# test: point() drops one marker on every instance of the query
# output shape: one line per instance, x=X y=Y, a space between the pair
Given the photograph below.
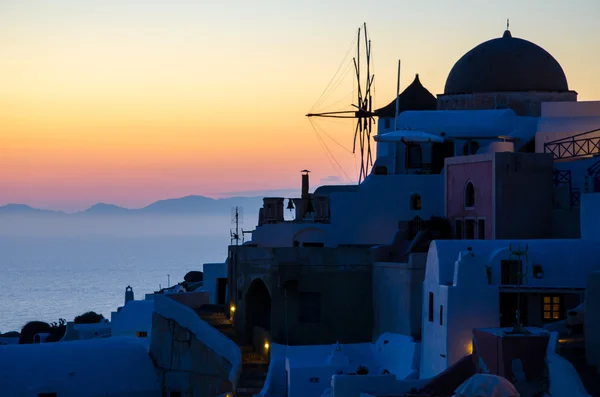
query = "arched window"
x=415 y=201
x=470 y=147
x=469 y=195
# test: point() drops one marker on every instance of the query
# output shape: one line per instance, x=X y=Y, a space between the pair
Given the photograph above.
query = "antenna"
x=397 y=99
x=364 y=105
x=237 y=219
x=519 y=254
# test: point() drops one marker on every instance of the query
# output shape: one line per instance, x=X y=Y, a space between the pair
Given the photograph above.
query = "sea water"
x=60 y=268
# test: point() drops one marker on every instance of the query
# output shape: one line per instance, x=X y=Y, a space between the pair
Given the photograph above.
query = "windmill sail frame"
x=364 y=105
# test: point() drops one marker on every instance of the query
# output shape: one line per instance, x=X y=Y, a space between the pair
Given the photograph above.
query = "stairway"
x=575 y=353
x=254 y=366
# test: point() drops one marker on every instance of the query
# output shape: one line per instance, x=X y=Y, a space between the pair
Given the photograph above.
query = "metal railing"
x=578 y=145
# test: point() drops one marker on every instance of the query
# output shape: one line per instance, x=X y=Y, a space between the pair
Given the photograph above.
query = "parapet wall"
x=190 y=356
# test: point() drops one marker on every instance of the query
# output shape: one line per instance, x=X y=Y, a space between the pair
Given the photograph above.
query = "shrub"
x=89 y=318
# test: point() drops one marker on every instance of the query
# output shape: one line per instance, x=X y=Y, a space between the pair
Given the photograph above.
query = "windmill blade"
x=363 y=105
x=356 y=131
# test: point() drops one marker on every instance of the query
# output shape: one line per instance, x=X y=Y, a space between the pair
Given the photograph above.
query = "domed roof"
x=414 y=97
x=506 y=64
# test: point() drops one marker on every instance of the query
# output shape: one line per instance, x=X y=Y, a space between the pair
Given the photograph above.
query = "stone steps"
x=254 y=367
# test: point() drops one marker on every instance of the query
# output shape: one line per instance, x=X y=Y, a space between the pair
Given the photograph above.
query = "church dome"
x=506 y=64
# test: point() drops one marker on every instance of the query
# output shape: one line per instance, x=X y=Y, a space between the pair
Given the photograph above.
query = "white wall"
x=281 y=234
x=564 y=379
x=116 y=367
x=210 y=336
x=468 y=302
x=590 y=216
x=135 y=316
x=397 y=291
x=564 y=119
x=292 y=367
x=369 y=215
x=212 y=271
x=592 y=319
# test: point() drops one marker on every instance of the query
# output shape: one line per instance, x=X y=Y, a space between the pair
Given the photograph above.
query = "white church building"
x=505 y=95
x=478 y=283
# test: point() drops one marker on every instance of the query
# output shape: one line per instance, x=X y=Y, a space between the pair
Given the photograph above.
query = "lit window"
x=551 y=308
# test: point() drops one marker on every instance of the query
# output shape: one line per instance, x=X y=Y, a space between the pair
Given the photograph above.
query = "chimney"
x=305 y=184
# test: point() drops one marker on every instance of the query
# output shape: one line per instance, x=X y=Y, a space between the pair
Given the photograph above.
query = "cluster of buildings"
x=471 y=248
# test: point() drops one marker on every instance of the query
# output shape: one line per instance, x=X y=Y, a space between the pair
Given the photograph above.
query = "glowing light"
x=232 y=309
x=470 y=348
x=266 y=345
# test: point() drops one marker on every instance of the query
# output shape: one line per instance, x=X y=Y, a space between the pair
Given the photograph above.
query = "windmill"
x=364 y=105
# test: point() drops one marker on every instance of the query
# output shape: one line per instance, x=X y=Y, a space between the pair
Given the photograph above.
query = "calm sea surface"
x=59 y=269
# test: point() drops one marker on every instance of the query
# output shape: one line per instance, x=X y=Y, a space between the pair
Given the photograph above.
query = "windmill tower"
x=364 y=104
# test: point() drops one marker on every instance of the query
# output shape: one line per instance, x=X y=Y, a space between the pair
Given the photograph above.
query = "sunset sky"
x=129 y=101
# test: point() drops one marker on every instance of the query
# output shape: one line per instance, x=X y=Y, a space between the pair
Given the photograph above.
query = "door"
x=221 y=291
x=439 y=151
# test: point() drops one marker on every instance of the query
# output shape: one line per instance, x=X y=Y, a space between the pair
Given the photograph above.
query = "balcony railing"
x=580 y=145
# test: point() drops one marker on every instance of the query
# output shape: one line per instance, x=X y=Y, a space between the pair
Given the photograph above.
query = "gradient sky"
x=132 y=101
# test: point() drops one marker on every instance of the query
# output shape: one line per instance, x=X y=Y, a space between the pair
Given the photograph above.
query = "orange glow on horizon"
x=139 y=101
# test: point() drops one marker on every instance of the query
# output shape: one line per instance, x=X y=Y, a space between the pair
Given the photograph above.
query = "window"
x=510 y=272
x=415 y=202
x=431 y=307
x=309 y=307
x=552 y=308
x=459 y=229
x=481 y=229
x=141 y=334
x=470 y=229
x=441 y=314
x=469 y=195
x=470 y=147
x=413 y=156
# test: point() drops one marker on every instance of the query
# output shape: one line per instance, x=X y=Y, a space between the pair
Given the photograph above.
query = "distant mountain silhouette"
x=105 y=209
x=22 y=209
x=199 y=205
x=192 y=205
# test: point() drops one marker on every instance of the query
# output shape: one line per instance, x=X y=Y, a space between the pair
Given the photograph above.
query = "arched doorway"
x=258 y=308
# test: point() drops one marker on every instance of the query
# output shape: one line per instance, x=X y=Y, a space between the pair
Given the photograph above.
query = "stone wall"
x=398 y=296
x=523 y=103
x=184 y=363
x=332 y=286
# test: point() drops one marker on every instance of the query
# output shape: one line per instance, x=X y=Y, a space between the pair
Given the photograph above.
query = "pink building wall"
x=480 y=173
